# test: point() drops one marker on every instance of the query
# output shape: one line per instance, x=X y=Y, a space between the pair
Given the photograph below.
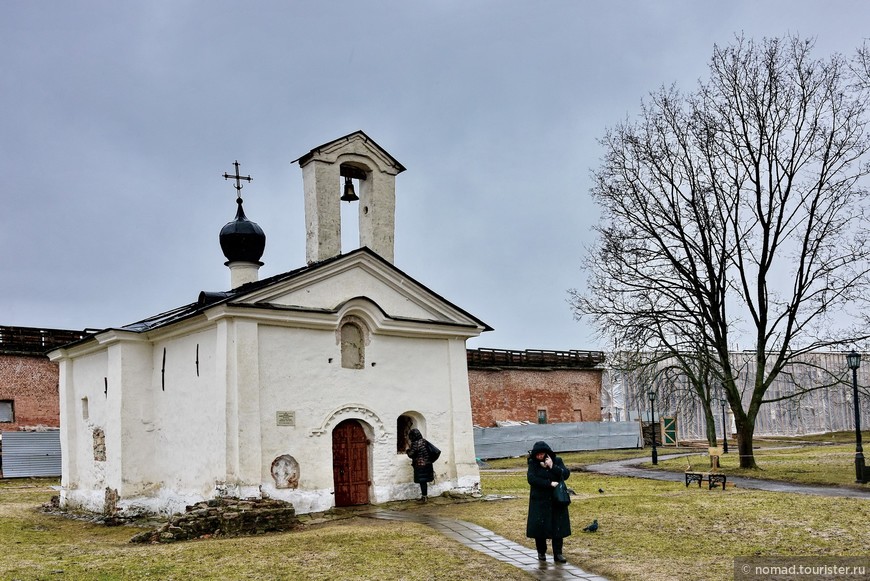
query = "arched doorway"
x=350 y=464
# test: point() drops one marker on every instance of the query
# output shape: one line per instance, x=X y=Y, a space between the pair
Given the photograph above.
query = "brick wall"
x=31 y=383
x=567 y=395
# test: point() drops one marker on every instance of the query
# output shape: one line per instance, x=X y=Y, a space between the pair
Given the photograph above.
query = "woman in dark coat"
x=547 y=520
x=419 y=453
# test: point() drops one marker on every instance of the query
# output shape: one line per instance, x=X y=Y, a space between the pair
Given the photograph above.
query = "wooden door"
x=669 y=431
x=350 y=464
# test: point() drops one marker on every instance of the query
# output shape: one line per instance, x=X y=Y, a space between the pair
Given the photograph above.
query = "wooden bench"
x=713 y=478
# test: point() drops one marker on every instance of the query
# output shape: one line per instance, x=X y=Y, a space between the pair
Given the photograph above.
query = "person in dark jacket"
x=419 y=454
x=547 y=520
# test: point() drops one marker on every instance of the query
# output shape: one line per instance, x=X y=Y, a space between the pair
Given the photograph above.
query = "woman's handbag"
x=434 y=452
x=560 y=494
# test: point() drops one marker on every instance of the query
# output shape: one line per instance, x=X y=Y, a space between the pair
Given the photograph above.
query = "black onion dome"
x=241 y=239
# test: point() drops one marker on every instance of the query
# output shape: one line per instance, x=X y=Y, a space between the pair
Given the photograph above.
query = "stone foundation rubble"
x=230 y=517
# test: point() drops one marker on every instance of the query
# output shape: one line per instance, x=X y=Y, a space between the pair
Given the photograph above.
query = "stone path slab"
x=489 y=543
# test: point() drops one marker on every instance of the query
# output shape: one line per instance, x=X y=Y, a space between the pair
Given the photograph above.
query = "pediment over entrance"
x=360 y=281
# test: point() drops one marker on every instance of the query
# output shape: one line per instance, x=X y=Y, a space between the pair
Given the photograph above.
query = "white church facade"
x=300 y=387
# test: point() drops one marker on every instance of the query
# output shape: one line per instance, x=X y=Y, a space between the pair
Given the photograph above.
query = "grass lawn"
x=38 y=546
x=648 y=530
x=827 y=459
x=833 y=465
x=663 y=530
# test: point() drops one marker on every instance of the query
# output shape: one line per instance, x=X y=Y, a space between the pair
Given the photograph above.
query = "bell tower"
x=328 y=174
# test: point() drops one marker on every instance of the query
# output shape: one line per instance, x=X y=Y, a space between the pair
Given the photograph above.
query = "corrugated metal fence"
x=28 y=454
x=509 y=441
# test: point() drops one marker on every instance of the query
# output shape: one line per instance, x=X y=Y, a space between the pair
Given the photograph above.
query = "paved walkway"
x=629 y=468
x=489 y=543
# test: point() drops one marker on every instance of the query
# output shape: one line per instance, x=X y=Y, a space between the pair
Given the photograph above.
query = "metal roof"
x=208 y=299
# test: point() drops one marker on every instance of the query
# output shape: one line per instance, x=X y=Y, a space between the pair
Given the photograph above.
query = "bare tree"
x=678 y=377
x=735 y=213
x=861 y=66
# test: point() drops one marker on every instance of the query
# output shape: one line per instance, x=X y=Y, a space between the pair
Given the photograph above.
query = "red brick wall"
x=31 y=382
x=568 y=395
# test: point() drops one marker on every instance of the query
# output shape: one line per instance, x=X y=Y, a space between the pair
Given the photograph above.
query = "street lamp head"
x=652 y=395
x=853 y=359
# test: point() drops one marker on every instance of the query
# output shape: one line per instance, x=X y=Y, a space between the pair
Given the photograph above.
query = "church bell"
x=349 y=194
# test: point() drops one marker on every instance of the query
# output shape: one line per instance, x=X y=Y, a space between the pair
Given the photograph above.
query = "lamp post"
x=652 y=404
x=854 y=361
x=724 y=432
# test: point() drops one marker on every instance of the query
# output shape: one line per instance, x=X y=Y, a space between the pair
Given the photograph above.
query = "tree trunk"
x=745 y=433
x=711 y=426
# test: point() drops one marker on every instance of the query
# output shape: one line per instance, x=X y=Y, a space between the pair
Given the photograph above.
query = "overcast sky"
x=117 y=120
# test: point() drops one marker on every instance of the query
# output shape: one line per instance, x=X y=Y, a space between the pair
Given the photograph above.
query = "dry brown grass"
x=663 y=530
x=38 y=546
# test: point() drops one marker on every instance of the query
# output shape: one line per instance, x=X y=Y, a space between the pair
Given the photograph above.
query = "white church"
x=300 y=387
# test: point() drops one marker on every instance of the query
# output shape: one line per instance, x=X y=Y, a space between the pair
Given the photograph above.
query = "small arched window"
x=403 y=426
x=352 y=346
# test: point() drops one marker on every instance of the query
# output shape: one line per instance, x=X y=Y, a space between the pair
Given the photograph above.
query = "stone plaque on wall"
x=285 y=418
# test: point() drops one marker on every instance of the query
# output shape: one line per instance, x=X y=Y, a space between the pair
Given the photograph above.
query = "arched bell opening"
x=353 y=181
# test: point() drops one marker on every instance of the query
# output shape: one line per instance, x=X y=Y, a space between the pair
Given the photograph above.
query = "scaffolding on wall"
x=817 y=407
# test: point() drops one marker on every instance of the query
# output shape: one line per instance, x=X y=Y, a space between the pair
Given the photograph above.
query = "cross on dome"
x=238 y=179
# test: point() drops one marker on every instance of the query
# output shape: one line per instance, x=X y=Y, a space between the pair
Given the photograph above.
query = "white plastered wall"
x=83 y=479
x=182 y=441
x=301 y=372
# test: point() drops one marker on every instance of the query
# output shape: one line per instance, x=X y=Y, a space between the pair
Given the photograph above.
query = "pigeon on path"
x=591 y=528
x=600 y=491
